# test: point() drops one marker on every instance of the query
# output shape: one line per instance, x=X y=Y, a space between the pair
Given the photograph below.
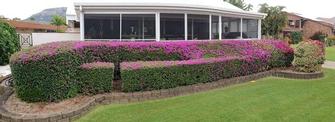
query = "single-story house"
x=155 y=20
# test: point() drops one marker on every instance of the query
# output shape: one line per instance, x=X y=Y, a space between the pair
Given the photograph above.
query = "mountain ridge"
x=45 y=16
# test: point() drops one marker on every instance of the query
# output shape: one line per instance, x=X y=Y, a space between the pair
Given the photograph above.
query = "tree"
x=9 y=42
x=275 y=20
x=58 y=21
x=32 y=19
x=16 y=19
x=240 y=4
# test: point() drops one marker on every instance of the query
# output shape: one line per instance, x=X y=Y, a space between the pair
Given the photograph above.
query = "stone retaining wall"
x=109 y=98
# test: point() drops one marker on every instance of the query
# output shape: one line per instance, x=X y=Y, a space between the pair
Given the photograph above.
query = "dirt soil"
x=15 y=105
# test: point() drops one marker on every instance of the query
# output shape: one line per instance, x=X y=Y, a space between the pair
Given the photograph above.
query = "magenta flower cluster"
x=184 y=49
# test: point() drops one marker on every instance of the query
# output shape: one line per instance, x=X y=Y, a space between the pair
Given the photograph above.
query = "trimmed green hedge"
x=48 y=80
x=163 y=75
x=95 y=81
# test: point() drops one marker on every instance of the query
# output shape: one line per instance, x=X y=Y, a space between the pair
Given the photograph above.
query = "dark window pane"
x=250 y=28
x=172 y=26
x=102 y=26
x=138 y=26
x=231 y=28
x=215 y=27
x=198 y=26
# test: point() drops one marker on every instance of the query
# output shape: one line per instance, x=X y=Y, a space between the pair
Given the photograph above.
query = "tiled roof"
x=32 y=25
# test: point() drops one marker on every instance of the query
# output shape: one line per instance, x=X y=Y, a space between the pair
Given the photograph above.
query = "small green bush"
x=309 y=56
x=9 y=42
x=330 y=41
x=320 y=36
x=296 y=37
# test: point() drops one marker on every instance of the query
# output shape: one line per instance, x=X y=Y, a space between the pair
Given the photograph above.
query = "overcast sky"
x=308 y=8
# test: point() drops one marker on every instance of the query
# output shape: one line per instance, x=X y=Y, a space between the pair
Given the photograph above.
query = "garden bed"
x=15 y=105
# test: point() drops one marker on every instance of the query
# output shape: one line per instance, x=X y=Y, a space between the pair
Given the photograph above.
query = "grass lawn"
x=268 y=99
x=330 y=53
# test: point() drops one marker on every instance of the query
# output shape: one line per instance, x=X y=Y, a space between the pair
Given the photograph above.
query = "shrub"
x=319 y=36
x=60 y=70
x=281 y=54
x=309 y=56
x=95 y=78
x=143 y=76
x=9 y=42
x=330 y=41
x=296 y=37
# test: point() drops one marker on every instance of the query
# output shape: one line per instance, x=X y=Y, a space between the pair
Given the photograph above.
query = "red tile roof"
x=32 y=25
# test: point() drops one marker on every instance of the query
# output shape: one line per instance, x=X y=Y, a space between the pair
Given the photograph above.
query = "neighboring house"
x=155 y=20
x=72 y=22
x=30 y=27
x=307 y=26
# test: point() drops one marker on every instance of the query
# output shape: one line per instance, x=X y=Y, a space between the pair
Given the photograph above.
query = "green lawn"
x=269 y=99
x=330 y=53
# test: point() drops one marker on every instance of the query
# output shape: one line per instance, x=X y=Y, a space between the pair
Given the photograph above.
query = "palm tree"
x=275 y=20
x=58 y=21
x=240 y=4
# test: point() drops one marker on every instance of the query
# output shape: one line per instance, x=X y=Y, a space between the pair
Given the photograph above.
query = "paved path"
x=4 y=70
x=329 y=64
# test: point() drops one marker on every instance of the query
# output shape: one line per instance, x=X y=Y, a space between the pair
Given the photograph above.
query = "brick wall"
x=311 y=27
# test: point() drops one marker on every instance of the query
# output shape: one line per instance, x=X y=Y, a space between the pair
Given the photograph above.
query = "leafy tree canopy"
x=58 y=21
x=275 y=20
x=240 y=4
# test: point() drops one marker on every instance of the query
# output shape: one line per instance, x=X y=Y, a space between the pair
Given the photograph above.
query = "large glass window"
x=231 y=28
x=215 y=27
x=198 y=27
x=102 y=26
x=250 y=28
x=138 y=27
x=172 y=26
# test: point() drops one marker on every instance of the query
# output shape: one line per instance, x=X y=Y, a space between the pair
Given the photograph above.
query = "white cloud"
x=309 y=8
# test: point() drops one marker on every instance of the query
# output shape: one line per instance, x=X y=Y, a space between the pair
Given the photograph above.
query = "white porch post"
x=241 y=28
x=220 y=27
x=210 y=27
x=260 y=29
x=185 y=25
x=82 y=28
x=120 y=27
x=158 y=29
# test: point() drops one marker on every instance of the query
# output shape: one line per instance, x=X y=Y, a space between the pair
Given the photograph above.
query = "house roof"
x=314 y=20
x=219 y=5
x=32 y=25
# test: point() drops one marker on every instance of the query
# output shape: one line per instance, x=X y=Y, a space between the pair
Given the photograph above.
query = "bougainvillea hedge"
x=95 y=78
x=56 y=71
x=143 y=76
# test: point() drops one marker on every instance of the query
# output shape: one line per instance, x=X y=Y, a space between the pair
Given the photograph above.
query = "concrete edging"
x=6 y=116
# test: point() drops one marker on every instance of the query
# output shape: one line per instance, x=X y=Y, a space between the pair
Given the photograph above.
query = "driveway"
x=4 y=70
x=329 y=64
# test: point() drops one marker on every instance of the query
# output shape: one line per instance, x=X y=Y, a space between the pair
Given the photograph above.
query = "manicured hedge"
x=56 y=71
x=94 y=78
x=144 y=76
